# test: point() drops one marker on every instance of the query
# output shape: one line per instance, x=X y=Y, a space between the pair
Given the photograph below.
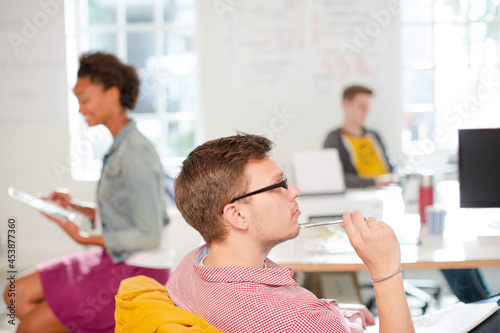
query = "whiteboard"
x=278 y=67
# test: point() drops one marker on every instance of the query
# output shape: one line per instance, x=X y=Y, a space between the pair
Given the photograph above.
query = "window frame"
x=84 y=162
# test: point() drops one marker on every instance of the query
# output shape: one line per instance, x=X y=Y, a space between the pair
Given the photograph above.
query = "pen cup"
x=435 y=217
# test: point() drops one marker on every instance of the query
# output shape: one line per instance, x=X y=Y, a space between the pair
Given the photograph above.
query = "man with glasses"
x=241 y=203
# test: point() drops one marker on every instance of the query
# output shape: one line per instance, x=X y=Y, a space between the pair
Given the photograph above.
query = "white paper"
x=458 y=318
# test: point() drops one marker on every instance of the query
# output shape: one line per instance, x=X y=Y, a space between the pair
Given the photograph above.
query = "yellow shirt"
x=366 y=155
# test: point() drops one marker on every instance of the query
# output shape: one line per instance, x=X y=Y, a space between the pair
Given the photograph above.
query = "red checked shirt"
x=246 y=299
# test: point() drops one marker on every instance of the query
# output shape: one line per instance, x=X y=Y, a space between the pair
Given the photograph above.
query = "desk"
x=458 y=247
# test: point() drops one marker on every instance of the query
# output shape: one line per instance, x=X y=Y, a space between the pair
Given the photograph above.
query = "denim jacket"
x=130 y=195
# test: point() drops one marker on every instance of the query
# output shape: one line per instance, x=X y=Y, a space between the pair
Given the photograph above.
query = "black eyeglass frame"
x=283 y=183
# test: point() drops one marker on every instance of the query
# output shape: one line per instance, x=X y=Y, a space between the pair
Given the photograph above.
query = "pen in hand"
x=319 y=223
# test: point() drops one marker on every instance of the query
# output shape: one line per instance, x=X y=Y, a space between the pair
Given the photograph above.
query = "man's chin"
x=294 y=233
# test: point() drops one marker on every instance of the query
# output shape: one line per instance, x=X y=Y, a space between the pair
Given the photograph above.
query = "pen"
x=318 y=223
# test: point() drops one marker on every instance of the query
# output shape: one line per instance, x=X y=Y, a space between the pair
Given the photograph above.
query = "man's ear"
x=346 y=103
x=235 y=217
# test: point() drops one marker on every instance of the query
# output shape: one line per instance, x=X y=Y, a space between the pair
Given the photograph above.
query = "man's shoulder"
x=226 y=297
x=335 y=132
x=182 y=276
x=188 y=261
x=333 y=138
x=371 y=131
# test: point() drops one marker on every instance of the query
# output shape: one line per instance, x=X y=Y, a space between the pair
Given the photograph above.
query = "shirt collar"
x=121 y=136
x=365 y=131
x=274 y=274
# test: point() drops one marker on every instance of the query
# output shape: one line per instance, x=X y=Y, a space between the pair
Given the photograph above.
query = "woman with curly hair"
x=76 y=292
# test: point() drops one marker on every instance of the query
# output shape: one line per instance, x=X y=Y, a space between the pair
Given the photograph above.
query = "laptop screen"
x=318 y=171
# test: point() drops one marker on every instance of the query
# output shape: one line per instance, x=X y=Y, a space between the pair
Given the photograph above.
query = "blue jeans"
x=466 y=284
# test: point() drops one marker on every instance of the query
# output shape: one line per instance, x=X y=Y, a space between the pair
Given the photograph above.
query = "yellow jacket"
x=143 y=305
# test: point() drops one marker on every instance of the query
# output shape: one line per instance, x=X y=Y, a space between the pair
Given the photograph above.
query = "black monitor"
x=479 y=167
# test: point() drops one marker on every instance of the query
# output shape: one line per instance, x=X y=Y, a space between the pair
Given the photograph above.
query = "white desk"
x=458 y=247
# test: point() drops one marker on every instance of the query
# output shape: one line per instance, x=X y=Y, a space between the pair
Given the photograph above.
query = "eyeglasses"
x=283 y=183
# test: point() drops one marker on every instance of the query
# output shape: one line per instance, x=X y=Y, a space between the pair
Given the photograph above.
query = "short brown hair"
x=211 y=176
x=351 y=91
x=109 y=71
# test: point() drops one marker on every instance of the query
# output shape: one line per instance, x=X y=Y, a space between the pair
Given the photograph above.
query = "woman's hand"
x=61 y=197
x=74 y=232
x=64 y=199
x=71 y=229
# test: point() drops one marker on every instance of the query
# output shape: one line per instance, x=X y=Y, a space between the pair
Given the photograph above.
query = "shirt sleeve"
x=143 y=193
x=318 y=322
x=329 y=319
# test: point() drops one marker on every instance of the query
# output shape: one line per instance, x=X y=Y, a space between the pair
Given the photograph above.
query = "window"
x=158 y=38
x=450 y=52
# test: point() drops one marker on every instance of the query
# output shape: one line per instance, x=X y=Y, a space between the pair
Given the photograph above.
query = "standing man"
x=361 y=150
x=241 y=203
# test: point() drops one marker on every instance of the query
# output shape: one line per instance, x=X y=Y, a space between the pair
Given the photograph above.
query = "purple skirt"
x=80 y=288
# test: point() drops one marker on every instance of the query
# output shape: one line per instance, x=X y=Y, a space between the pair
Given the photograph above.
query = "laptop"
x=318 y=171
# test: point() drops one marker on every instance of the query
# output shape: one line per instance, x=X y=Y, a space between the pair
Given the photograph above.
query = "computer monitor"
x=479 y=167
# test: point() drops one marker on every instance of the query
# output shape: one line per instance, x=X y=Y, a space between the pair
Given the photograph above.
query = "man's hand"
x=374 y=242
x=386 y=179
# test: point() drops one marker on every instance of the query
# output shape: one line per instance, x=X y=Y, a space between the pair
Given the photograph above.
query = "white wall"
x=27 y=153
x=33 y=123
x=34 y=134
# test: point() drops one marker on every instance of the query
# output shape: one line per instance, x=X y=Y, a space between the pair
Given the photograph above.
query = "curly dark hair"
x=109 y=71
